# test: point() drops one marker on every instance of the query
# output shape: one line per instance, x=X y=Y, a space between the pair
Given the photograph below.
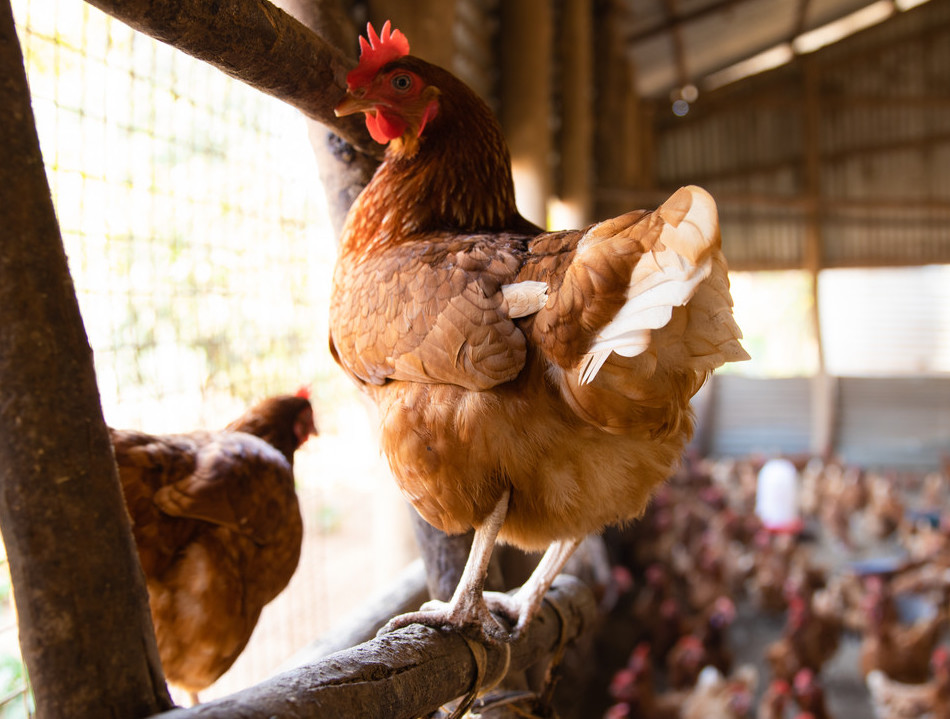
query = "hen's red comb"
x=303 y=392
x=376 y=52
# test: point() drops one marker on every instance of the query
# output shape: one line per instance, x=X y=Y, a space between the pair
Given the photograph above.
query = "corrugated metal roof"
x=674 y=43
x=852 y=145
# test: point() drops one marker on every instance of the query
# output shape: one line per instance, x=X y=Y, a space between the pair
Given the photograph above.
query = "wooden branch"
x=344 y=171
x=84 y=623
x=259 y=44
x=403 y=675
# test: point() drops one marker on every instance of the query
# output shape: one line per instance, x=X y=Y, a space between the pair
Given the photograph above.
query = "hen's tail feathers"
x=681 y=250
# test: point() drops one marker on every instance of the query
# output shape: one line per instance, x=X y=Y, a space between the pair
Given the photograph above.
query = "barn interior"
x=199 y=192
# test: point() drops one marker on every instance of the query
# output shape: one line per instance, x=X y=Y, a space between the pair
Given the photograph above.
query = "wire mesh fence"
x=187 y=209
x=198 y=242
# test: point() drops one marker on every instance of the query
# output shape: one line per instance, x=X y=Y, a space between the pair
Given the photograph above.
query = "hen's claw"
x=474 y=620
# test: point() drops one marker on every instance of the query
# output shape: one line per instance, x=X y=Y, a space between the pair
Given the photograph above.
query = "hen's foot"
x=473 y=619
x=512 y=609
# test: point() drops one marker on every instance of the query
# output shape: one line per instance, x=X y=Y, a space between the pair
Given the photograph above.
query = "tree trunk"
x=85 y=628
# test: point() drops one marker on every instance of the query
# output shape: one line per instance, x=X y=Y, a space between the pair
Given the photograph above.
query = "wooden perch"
x=406 y=674
x=258 y=44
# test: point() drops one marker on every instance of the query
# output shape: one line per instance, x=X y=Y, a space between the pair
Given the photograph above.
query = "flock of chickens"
x=700 y=550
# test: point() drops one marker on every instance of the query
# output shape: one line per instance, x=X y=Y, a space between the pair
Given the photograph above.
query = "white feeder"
x=776 y=497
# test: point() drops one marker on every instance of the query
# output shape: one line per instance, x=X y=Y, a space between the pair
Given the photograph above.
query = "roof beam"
x=675 y=21
x=676 y=38
x=801 y=15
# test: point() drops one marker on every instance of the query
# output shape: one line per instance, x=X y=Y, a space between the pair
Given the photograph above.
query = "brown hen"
x=531 y=385
x=218 y=529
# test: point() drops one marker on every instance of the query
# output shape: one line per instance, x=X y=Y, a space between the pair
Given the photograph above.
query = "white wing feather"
x=663 y=279
x=525 y=298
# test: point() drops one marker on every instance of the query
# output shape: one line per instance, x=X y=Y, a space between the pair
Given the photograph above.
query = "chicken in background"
x=708 y=696
x=809 y=693
x=884 y=512
x=218 y=529
x=810 y=639
x=774 y=700
x=532 y=385
x=718 y=697
x=901 y=651
x=898 y=700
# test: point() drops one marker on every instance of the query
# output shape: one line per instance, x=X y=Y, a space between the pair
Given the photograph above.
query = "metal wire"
x=201 y=254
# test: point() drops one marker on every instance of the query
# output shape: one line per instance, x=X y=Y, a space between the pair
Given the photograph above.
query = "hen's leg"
x=466 y=609
x=522 y=606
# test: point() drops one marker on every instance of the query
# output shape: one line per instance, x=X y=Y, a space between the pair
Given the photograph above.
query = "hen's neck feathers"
x=458 y=178
x=273 y=420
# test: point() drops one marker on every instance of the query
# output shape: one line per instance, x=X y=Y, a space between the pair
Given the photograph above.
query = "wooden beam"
x=258 y=44
x=575 y=47
x=405 y=674
x=674 y=22
x=823 y=394
x=801 y=17
x=760 y=200
x=843 y=155
x=676 y=40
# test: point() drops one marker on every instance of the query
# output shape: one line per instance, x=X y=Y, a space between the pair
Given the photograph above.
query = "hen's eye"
x=402 y=82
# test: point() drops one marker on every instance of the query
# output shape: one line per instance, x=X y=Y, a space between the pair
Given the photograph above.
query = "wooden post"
x=526 y=41
x=572 y=208
x=622 y=125
x=823 y=386
x=85 y=629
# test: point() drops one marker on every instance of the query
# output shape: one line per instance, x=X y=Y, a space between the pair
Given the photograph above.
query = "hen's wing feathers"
x=234 y=474
x=212 y=477
x=437 y=312
x=635 y=292
x=639 y=311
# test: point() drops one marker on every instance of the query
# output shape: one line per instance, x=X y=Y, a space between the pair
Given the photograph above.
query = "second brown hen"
x=218 y=530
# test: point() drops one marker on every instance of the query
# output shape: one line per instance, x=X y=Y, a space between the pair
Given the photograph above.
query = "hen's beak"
x=352 y=103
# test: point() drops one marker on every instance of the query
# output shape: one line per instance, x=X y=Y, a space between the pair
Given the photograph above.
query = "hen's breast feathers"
x=605 y=308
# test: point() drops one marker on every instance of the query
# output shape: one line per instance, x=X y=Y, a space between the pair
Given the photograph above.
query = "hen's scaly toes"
x=507 y=607
x=479 y=625
x=425 y=618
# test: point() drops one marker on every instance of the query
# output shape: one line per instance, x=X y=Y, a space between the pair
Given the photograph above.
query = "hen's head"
x=285 y=422
x=391 y=87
